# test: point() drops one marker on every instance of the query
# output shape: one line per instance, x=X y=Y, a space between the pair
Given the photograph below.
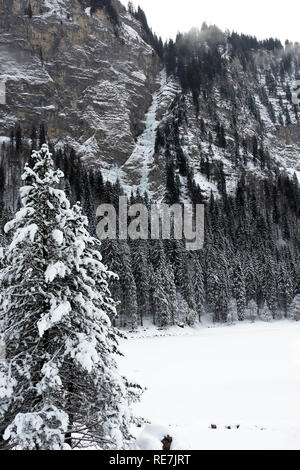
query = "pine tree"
x=265 y=313
x=187 y=287
x=239 y=289
x=162 y=314
x=42 y=135
x=294 y=310
x=285 y=287
x=116 y=254
x=29 y=10
x=186 y=315
x=142 y=277
x=172 y=185
x=251 y=311
x=54 y=314
x=170 y=289
x=217 y=287
x=232 y=311
x=199 y=292
x=269 y=283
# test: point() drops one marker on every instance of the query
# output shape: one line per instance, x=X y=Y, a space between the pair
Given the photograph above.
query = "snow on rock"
x=152 y=435
x=55 y=7
x=133 y=36
x=140 y=76
x=110 y=78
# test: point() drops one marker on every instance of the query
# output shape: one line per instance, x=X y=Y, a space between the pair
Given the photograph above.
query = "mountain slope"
x=88 y=79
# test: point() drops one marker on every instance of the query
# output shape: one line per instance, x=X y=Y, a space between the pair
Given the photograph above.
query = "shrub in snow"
x=251 y=311
x=187 y=315
x=232 y=314
x=265 y=313
x=294 y=310
x=154 y=437
x=60 y=386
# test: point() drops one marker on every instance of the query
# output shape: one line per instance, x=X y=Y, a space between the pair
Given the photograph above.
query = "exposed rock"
x=90 y=81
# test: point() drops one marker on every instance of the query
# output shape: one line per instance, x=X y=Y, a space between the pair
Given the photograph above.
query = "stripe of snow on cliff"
x=140 y=76
x=141 y=159
x=133 y=36
x=55 y=8
x=87 y=150
x=11 y=70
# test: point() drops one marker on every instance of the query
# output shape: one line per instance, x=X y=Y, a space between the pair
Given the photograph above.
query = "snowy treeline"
x=249 y=267
x=59 y=386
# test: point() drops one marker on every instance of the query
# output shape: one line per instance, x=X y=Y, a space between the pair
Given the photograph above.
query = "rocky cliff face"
x=102 y=90
x=89 y=81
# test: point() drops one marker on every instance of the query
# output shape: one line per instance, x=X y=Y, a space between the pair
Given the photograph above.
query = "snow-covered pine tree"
x=199 y=289
x=265 y=313
x=170 y=289
x=284 y=286
x=60 y=386
x=129 y=288
x=294 y=310
x=162 y=314
x=269 y=283
x=187 y=287
x=116 y=254
x=142 y=277
x=251 y=311
x=239 y=288
x=186 y=315
x=232 y=311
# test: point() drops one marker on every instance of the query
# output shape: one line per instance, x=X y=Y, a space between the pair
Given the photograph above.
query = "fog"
x=264 y=19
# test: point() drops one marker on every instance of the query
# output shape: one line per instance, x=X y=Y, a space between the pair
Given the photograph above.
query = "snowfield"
x=246 y=377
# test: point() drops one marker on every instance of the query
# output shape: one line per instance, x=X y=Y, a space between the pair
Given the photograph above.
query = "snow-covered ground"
x=245 y=376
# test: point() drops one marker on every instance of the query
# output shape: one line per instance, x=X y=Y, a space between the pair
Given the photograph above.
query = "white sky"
x=262 y=18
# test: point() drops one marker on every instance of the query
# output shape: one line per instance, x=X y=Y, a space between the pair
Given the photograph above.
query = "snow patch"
x=55 y=315
x=216 y=376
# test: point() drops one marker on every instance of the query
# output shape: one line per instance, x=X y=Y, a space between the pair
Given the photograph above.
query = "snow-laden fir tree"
x=142 y=277
x=170 y=289
x=239 y=289
x=217 y=283
x=269 y=283
x=251 y=311
x=162 y=312
x=199 y=294
x=186 y=316
x=232 y=315
x=187 y=287
x=60 y=386
x=294 y=310
x=164 y=299
x=285 y=287
x=116 y=254
x=265 y=313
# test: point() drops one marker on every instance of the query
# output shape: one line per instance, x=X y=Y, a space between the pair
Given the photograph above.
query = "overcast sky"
x=262 y=18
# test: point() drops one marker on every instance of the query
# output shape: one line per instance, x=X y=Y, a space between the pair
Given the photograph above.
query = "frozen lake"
x=247 y=375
